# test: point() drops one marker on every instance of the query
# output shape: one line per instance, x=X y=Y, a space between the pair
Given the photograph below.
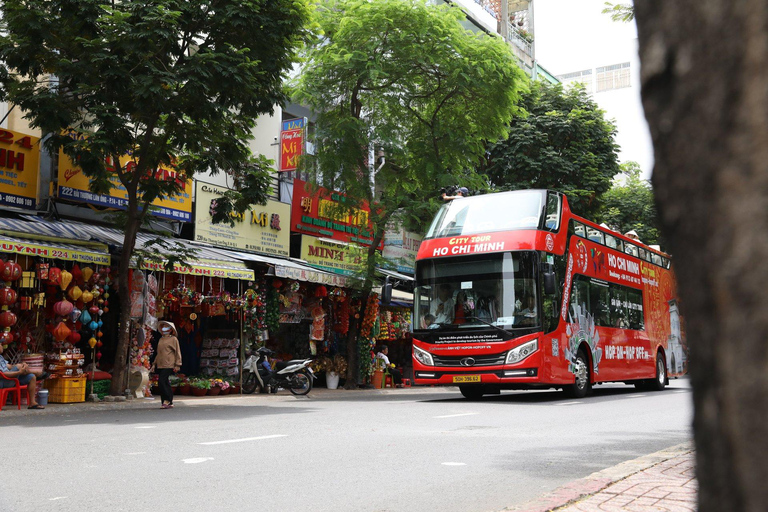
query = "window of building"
x=613 y=77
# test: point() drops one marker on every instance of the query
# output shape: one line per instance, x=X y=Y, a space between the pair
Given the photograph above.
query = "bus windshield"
x=496 y=289
x=519 y=209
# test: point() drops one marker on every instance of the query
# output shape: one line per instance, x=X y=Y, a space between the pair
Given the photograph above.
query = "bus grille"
x=480 y=360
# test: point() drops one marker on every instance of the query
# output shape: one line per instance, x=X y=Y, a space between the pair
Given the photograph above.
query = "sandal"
x=36 y=406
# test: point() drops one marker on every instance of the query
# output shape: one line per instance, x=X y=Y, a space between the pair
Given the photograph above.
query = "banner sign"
x=263 y=229
x=19 y=169
x=56 y=251
x=242 y=274
x=73 y=185
x=322 y=213
x=291 y=143
x=311 y=276
x=339 y=258
x=400 y=248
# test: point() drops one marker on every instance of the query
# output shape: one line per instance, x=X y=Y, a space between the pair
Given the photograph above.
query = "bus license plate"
x=466 y=378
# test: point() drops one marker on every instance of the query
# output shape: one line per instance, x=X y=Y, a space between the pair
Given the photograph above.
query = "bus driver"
x=443 y=306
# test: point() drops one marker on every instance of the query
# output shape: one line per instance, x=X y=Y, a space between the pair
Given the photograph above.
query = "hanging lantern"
x=99 y=344
x=75 y=293
x=61 y=331
x=66 y=278
x=93 y=310
x=87 y=273
x=74 y=337
x=95 y=292
x=11 y=271
x=86 y=296
x=63 y=307
x=42 y=271
x=98 y=355
x=54 y=276
x=93 y=326
x=77 y=274
x=75 y=315
x=321 y=291
x=7 y=319
x=85 y=318
x=6 y=337
x=92 y=342
x=7 y=296
x=105 y=310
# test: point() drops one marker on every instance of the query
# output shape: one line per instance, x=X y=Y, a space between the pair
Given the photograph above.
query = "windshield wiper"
x=488 y=324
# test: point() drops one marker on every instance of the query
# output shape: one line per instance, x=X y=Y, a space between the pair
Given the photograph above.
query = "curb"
x=596 y=482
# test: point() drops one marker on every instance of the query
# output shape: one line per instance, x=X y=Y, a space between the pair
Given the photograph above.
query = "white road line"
x=568 y=403
x=457 y=415
x=58 y=498
x=453 y=464
x=196 y=460
x=244 y=439
x=135 y=453
x=147 y=426
x=636 y=396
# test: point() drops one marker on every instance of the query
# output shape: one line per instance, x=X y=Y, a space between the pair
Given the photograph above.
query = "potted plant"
x=216 y=385
x=225 y=387
x=336 y=367
x=235 y=388
x=199 y=387
x=175 y=382
x=184 y=387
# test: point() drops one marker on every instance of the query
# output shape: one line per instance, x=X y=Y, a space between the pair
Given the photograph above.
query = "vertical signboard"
x=291 y=144
x=400 y=248
x=264 y=229
x=74 y=185
x=19 y=169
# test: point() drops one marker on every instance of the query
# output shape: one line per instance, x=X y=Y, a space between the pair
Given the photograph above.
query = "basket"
x=66 y=391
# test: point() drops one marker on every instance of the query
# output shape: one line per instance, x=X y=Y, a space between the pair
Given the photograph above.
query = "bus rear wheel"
x=580 y=386
x=472 y=392
x=660 y=382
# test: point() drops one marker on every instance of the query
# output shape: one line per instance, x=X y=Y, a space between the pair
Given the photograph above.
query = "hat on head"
x=464 y=190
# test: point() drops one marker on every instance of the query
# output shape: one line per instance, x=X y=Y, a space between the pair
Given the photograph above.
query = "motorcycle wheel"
x=250 y=384
x=301 y=384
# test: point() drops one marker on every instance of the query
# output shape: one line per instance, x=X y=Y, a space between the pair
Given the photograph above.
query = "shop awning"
x=393 y=274
x=95 y=254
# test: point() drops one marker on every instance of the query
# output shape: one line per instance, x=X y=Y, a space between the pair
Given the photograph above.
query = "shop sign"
x=400 y=248
x=47 y=251
x=262 y=229
x=19 y=169
x=291 y=143
x=322 y=212
x=242 y=274
x=339 y=258
x=73 y=185
x=300 y=274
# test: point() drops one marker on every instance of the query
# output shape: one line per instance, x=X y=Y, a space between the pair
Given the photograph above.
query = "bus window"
x=599 y=302
x=630 y=249
x=614 y=243
x=595 y=235
x=635 y=309
x=665 y=262
x=552 y=214
x=619 y=313
x=643 y=254
x=579 y=230
x=656 y=259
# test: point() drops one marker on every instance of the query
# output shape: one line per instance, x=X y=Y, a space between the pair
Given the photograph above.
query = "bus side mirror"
x=550 y=287
x=386 y=292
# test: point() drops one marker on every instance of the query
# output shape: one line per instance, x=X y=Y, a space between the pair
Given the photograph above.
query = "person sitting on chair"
x=382 y=359
x=27 y=377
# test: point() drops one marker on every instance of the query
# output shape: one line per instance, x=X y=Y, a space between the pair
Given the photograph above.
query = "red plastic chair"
x=17 y=389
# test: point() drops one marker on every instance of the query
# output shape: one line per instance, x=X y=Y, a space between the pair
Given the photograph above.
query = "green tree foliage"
x=620 y=12
x=629 y=205
x=561 y=141
x=402 y=79
x=171 y=82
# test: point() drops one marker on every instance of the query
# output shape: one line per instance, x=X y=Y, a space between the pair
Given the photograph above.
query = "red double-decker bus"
x=513 y=291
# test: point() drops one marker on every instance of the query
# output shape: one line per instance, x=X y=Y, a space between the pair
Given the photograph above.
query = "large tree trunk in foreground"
x=704 y=76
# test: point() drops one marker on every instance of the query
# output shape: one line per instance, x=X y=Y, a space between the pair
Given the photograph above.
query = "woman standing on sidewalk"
x=167 y=361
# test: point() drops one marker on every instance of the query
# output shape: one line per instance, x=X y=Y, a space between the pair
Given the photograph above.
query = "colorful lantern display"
x=7 y=319
x=86 y=296
x=75 y=292
x=85 y=317
x=66 y=278
x=8 y=296
x=61 y=331
x=11 y=271
x=87 y=273
x=75 y=315
x=93 y=310
x=74 y=337
x=92 y=342
x=63 y=307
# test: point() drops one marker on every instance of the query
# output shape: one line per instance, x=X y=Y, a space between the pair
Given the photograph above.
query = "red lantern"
x=63 y=308
x=6 y=337
x=98 y=355
x=73 y=337
x=61 y=331
x=77 y=274
x=321 y=291
x=99 y=344
x=11 y=271
x=94 y=310
x=54 y=276
x=7 y=296
x=7 y=319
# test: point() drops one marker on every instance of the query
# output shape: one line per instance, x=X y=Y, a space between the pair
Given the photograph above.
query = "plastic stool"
x=406 y=383
x=388 y=381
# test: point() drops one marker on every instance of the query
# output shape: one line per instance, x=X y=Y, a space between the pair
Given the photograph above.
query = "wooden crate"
x=66 y=391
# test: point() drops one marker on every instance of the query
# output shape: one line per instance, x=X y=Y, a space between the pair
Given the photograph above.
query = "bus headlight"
x=517 y=354
x=423 y=356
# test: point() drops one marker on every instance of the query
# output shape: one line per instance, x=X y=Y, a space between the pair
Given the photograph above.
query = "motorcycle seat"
x=283 y=364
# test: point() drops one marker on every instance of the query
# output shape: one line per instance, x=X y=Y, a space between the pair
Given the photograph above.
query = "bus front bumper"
x=452 y=377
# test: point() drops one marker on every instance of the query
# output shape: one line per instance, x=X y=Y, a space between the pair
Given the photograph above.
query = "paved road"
x=399 y=450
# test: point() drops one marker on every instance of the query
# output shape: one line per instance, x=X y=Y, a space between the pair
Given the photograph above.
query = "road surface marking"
x=196 y=460
x=568 y=403
x=147 y=426
x=135 y=453
x=58 y=498
x=453 y=464
x=636 y=396
x=244 y=439
x=457 y=415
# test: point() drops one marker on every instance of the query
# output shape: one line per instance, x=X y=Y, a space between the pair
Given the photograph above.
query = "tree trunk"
x=704 y=75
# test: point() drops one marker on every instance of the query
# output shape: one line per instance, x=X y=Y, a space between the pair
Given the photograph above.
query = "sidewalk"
x=661 y=482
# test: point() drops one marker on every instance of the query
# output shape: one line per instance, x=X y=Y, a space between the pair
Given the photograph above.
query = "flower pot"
x=215 y=390
x=174 y=389
x=234 y=390
x=184 y=389
x=199 y=391
x=225 y=391
x=332 y=380
x=377 y=379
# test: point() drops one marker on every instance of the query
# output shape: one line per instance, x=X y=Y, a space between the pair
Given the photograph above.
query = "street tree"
x=405 y=99
x=620 y=12
x=704 y=69
x=630 y=205
x=561 y=141
x=170 y=83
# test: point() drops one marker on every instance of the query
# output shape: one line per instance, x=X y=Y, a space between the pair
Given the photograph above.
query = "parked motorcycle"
x=294 y=375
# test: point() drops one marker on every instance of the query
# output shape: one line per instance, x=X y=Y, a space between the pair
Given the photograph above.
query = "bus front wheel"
x=472 y=392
